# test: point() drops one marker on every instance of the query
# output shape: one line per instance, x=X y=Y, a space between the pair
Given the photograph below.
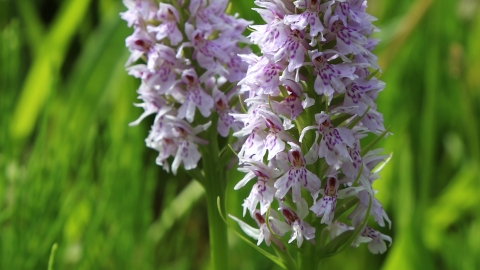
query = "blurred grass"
x=73 y=173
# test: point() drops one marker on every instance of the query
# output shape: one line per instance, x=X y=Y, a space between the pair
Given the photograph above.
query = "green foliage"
x=73 y=173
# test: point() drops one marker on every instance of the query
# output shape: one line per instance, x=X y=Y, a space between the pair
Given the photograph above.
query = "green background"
x=73 y=173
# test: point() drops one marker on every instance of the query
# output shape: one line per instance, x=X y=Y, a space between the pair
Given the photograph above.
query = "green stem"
x=215 y=184
x=217 y=231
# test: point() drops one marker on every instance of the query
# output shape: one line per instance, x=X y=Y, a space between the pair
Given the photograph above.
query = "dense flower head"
x=312 y=100
x=187 y=58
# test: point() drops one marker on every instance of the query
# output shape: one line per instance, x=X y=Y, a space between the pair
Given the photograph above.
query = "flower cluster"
x=311 y=100
x=189 y=62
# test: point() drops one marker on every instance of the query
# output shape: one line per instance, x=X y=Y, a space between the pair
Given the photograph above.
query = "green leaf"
x=337 y=99
x=339 y=243
x=357 y=119
x=373 y=143
x=52 y=256
x=267 y=254
x=363 y=224
x=347 y=204
x=372 y=74
x=358 y=176
x=283 y=254
x=45 y=68
x=335 y=246
x=340 y=119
